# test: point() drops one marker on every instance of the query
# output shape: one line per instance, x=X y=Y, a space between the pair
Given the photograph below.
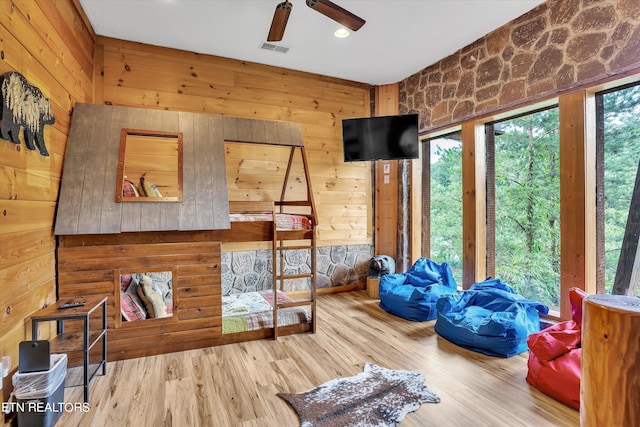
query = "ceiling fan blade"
x=279 y=22
x=338 y=14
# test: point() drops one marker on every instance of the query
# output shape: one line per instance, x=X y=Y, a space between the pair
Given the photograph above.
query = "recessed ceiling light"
x=341 y=33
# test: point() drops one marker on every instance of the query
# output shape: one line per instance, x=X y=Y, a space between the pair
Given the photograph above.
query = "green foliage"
x=621 y=157
x=528 y=196
x=528 y=206
x=446 y=204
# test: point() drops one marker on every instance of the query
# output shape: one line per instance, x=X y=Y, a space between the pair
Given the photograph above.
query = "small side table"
x=74 y=341
x=373 y=284
x=610 y=378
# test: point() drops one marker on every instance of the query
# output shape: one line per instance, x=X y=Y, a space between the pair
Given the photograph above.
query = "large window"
x=527 y=206
x=619 y=151
x=445 y=211
x=523 y=233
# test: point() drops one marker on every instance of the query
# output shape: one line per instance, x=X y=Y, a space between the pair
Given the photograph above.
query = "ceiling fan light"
x=341 y=33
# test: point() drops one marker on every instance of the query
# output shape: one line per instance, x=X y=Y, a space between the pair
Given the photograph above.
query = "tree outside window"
x=527 y=206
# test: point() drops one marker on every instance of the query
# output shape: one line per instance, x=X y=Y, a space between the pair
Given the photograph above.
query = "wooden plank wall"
x=87 y=203
x=138 y=75
x=49 y=43
x=197 y=319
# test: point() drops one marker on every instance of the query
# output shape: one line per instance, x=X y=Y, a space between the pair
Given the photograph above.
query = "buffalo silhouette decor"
x=23 y=107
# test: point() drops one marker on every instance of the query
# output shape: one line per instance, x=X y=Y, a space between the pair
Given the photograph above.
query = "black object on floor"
x=33 y=356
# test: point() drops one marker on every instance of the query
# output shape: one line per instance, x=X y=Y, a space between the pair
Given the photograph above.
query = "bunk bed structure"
x=166 y=256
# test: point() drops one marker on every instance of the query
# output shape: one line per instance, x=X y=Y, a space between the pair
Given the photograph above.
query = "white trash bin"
x=40 y=395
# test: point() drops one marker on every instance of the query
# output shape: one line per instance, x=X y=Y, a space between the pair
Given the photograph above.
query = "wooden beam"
x=474 y=211
x=386 y=182
x=490 y=164
x=415 y=204
x=628 y=272
x=390 y=223
x=577 y=197
x=425 y=208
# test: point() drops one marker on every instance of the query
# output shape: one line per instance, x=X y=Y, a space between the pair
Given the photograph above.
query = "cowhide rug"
x=376 y=397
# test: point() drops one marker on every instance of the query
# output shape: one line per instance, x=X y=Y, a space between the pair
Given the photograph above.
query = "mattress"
x=283 y=221
x=251 y=311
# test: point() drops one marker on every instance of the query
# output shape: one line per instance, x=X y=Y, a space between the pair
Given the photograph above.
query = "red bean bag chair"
x=554 y=356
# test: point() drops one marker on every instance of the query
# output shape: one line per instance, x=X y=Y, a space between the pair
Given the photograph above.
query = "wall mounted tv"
x=380 y=138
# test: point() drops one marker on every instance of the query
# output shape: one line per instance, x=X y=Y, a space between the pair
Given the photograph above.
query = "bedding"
x=149 y=189
x=152 y=298
x=146 y=295
x=251 y=311
x=283 y=221
x=130 y=309
x=129 y=189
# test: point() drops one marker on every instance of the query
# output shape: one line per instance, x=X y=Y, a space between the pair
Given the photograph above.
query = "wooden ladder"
x=281 y=277
x=307 y=241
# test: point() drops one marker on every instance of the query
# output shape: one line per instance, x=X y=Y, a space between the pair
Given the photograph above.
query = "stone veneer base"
x=246 y=271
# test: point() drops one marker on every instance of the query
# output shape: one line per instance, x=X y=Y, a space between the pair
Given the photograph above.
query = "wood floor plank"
x=180 y=405
x=237 y=384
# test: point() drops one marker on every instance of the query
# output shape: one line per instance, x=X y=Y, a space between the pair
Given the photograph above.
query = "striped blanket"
x=283 y=221
x=253 y=310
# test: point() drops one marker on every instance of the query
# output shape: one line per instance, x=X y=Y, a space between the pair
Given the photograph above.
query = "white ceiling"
x=400 y=37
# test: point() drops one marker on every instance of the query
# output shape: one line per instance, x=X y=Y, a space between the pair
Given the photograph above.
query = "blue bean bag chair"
x=489 y=318
x=413 y=295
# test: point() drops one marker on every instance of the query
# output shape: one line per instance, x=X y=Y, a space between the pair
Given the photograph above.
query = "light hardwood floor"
x=236 y=384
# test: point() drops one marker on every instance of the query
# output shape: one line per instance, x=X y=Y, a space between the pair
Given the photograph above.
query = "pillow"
x=128 y=308
x=148 y=188
x=132 y=292
x=160 y=275
x=152 y=298
x=125 y=281
x=163 y=283
x=164 y=287
x=129 y=189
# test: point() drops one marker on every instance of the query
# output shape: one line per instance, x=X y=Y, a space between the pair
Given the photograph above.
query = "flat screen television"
x=380 y=138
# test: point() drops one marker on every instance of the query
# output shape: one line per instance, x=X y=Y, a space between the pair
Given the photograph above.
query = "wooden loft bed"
x=288 y=225
x=101 y=241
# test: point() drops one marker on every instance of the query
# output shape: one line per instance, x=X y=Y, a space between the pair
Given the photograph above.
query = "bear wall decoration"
x=23 y=106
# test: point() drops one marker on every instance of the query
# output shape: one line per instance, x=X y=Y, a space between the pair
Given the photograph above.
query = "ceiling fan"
x=326 y=7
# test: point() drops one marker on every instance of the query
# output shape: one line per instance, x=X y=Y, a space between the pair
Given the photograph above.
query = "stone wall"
x=246 y=271
x=558 y=46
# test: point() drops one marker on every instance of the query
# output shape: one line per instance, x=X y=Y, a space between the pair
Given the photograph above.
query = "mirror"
x=149 y=166
x=146 y=295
